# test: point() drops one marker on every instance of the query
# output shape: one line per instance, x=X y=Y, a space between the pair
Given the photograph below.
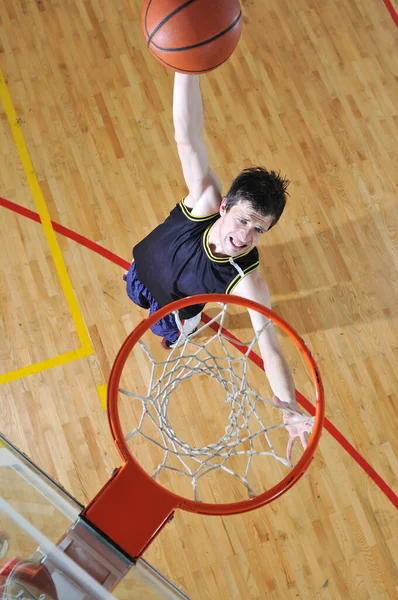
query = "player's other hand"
x=298 y=424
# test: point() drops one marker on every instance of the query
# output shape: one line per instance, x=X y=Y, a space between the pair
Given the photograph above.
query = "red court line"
x=392 y=11
x=76 y=237
x=339 y=437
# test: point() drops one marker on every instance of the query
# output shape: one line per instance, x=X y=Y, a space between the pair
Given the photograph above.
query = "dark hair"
x=264 y=190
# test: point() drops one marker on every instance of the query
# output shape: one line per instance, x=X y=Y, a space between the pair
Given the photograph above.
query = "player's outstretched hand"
x=297 y=423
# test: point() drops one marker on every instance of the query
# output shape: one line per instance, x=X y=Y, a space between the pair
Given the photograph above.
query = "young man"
x=208 y=244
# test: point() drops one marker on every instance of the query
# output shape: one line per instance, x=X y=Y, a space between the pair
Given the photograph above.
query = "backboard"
x=47 y=552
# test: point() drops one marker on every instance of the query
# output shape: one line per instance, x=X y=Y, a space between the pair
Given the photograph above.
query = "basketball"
x=191 y=36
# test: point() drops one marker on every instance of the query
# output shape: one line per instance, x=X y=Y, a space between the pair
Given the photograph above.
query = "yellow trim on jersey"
x=192 y=217
x=210 y=254
x=238 y=278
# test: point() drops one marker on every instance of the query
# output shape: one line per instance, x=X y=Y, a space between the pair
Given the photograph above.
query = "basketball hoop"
x=132 y=507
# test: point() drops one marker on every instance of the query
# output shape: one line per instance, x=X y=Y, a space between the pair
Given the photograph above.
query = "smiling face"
x=239 y=229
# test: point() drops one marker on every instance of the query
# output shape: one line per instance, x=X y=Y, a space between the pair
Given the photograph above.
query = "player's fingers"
x=304 y=439
x=289 y=449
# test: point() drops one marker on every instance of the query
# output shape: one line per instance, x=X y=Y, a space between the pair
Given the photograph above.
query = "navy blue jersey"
x=175 y=260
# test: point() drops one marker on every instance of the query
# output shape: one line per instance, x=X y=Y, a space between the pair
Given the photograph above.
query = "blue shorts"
x=138 y=293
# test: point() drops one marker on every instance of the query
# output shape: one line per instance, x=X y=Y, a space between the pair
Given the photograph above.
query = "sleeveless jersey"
x=175 y=260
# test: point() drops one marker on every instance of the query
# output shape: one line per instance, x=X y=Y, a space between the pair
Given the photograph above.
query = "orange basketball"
x=191 y=36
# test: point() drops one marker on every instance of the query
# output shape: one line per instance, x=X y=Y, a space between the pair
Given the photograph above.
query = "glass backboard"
x=47 y=552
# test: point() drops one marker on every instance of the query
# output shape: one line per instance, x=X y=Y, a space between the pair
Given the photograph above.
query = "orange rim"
x=192 y=505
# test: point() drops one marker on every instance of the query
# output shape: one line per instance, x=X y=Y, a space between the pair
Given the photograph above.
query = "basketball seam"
x=175 y=11
x=233 y=24
x=188 y=70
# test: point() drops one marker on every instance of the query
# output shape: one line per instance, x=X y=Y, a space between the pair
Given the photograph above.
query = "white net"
x=253 y=429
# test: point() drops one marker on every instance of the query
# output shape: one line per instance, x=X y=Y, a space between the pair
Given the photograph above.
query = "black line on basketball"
x=189 y=70
x=215 y=37
x=146 y=14
x=175 y=11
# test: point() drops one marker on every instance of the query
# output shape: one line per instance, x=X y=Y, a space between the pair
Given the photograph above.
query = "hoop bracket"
x=131 y=510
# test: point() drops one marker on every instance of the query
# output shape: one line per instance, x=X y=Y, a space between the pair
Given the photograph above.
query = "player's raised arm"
x=188 y=117
x=276 y=368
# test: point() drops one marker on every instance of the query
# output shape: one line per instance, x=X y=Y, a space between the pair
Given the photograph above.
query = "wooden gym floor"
x=311 y=91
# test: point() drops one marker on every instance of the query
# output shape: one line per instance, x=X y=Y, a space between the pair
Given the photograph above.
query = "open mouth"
x=237 y=245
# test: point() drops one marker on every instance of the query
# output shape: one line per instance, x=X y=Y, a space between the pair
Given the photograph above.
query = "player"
x=208 y=244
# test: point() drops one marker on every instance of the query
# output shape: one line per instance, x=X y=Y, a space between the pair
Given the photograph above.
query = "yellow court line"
x=103 y=395
x=44 y=365
x=82 y=332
